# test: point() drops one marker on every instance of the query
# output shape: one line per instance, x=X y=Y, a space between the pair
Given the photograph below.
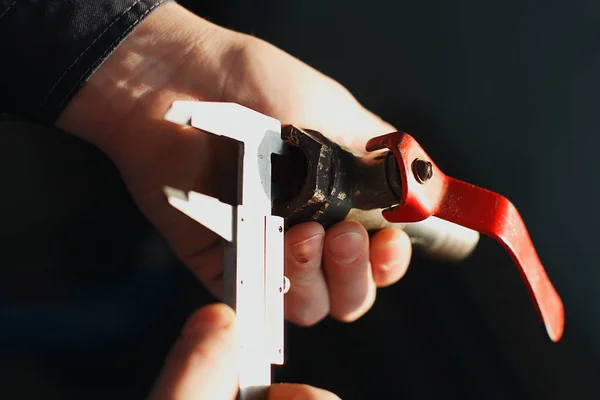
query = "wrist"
x=136 y=85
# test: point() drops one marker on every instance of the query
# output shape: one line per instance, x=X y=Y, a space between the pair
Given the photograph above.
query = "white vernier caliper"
x=253 y=280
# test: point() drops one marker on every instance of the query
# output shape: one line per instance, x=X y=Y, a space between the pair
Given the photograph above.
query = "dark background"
x=503 y=94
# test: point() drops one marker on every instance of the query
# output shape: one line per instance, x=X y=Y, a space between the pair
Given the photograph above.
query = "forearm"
x=50 y=49
x=146 y=73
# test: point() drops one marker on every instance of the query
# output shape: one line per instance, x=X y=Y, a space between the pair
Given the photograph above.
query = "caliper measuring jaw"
x=401 y=185
x=253 y=280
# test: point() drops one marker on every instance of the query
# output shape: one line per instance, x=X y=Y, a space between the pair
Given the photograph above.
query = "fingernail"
x=210 y=318
x=306 y=250
x=347 y=247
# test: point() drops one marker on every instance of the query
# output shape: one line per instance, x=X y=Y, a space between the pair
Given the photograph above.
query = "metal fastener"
x=422 y=169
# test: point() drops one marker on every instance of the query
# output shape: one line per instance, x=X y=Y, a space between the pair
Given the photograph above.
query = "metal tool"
x=289 y=175
x=253 y=280
x=317 y=180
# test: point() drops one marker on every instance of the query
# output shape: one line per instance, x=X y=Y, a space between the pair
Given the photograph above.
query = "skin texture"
x=175 y=55
x=198 y=366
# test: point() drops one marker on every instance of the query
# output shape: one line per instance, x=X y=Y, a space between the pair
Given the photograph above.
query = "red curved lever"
x=429 y=192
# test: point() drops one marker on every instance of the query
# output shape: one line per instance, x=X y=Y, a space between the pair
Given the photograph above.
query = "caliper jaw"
x=254 y=282
x=253 y=276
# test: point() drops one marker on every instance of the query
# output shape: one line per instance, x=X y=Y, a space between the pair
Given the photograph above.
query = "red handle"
x=427 y=191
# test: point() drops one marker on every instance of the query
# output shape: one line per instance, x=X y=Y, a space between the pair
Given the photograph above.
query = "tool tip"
x=171 y=192
x=555 y=323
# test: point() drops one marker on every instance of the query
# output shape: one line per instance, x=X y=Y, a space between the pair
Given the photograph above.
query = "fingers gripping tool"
x=288 y=175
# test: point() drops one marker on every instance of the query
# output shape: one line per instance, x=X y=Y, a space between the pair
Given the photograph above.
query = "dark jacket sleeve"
x=49 y=48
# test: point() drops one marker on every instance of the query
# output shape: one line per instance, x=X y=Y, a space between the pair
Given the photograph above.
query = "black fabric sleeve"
x=50 y=48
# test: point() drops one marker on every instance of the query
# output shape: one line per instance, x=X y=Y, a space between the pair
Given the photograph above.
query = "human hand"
x=175 y=55
x=202 y=363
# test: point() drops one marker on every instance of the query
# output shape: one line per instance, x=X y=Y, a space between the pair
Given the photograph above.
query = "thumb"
x=202 y=365
x=290 y=391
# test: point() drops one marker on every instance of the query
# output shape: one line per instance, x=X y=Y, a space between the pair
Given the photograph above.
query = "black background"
x=503 y=94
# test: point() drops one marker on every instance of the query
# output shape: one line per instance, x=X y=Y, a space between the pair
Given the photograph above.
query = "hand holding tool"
x=317 y=180
x=288 y=175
